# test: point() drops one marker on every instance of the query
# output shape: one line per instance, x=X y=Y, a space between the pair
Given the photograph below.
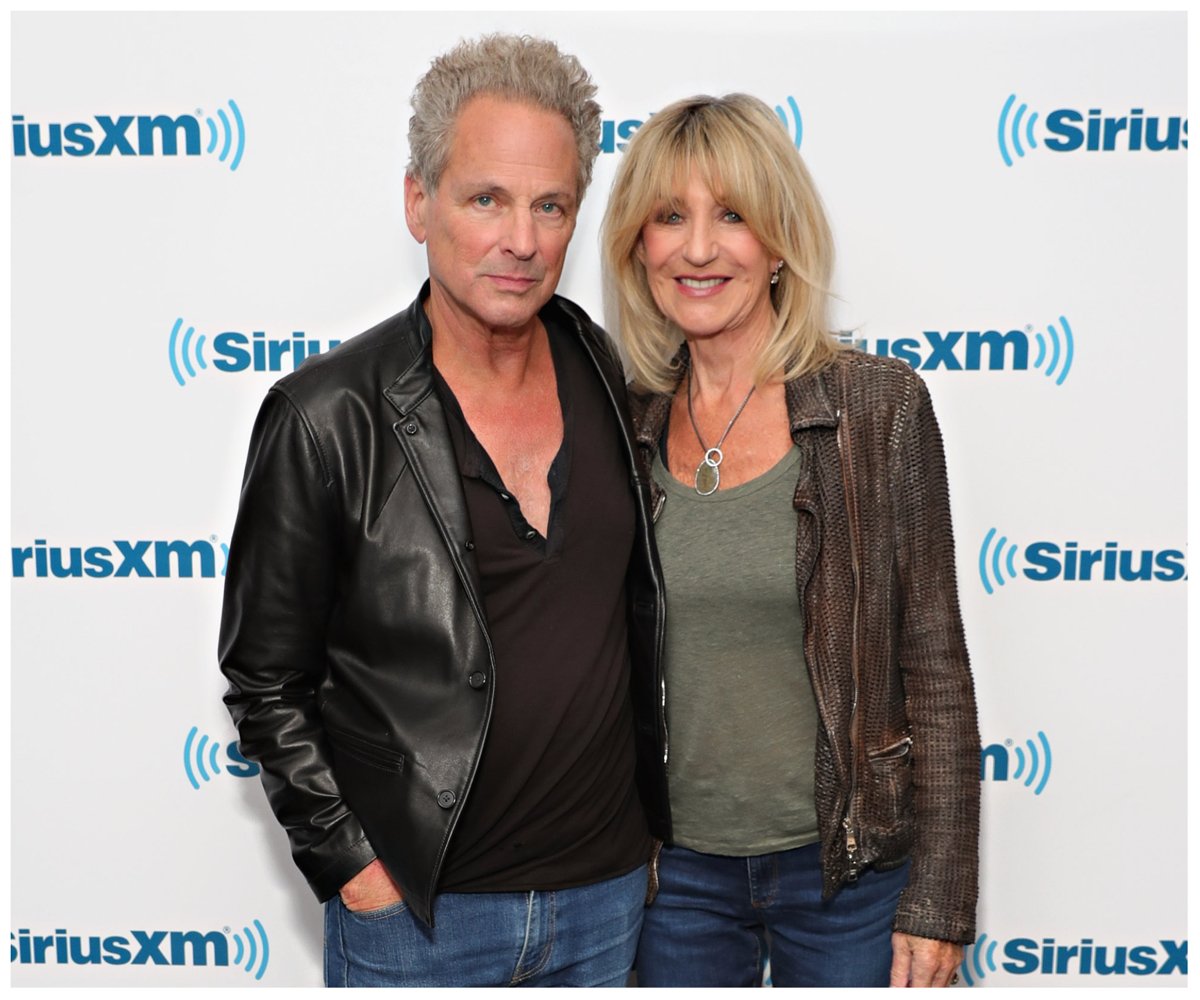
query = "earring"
x=775 y=273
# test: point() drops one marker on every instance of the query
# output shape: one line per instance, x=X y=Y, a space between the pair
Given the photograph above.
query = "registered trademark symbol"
x=212 y=538
x=227 y=930
x=1008 y=743
x=1029 y=327
x=199 y=112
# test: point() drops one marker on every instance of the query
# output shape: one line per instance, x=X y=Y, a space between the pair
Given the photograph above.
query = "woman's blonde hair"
x=743 y=152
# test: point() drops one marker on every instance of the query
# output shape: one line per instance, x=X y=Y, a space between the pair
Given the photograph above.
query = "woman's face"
x=707 y=271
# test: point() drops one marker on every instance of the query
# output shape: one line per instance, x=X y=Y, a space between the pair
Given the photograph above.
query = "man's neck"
x=469 y=353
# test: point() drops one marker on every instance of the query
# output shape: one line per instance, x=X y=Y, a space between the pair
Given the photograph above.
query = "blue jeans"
x=585 y=936
x=710 y=924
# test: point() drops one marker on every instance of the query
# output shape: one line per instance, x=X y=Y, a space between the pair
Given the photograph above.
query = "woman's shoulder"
x=649 y=411
x=874 y=381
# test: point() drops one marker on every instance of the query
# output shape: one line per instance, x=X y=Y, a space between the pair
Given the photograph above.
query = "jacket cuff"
x=950 y=929
x=326 y=877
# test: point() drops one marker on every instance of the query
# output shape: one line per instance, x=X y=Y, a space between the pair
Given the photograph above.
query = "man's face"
x=497 y=227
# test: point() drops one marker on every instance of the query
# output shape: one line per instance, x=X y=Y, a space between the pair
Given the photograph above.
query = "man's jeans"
x=586 y=936
x=709 y=924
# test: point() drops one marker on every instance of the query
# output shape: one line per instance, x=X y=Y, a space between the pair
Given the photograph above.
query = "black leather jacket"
x=353 y=635
x=897 y=755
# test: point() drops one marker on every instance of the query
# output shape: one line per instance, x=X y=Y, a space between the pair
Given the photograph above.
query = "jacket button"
x=469 y=545
x=477 y=680
x=410 y=429
x=446 y=799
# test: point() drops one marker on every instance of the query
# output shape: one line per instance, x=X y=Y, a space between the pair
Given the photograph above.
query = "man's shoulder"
x=365 y=363
x=576 y=318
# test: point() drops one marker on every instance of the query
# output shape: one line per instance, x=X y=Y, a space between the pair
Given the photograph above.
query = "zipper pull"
x=851 y=850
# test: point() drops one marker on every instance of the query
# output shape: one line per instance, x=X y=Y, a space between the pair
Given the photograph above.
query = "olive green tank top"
x=741 y=716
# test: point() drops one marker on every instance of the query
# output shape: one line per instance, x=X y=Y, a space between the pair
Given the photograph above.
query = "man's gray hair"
x=517 y=67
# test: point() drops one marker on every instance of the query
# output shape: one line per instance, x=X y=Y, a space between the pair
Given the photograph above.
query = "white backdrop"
x=136 y=823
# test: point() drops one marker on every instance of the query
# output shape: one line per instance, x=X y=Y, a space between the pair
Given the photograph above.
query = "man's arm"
x=280 y=589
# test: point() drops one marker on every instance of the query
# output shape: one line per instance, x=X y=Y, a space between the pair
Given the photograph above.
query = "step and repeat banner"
x=201 y=201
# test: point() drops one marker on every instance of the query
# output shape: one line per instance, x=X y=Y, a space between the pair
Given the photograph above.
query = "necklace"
x=708 y=472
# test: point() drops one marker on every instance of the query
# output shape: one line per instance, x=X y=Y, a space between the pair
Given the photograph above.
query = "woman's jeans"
x=717 y=918
x=585 y=936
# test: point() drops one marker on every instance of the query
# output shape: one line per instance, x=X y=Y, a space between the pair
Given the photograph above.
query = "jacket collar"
x=415 y=357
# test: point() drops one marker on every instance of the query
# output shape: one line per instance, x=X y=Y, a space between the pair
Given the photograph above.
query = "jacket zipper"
x=847 y=463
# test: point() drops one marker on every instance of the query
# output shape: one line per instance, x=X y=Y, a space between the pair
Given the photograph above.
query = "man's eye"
x=484 y=200
x=549 y=208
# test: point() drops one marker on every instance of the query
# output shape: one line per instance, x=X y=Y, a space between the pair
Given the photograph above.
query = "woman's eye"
x=732 y=216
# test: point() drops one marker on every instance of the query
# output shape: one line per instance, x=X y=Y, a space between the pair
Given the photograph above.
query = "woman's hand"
x=918 y=961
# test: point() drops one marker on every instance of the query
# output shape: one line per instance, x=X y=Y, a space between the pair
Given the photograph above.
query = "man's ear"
x=415 y=203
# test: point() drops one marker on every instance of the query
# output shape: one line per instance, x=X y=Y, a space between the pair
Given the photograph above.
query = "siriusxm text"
x=1070 y=562
x=1095 y=131
x=121 y=558
x=237 y=352
x=952 y=350
x=104 y=135
x=134 y=948
x=1024 y=956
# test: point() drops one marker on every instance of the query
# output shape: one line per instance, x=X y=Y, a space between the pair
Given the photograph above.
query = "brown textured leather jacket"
x=897 y=757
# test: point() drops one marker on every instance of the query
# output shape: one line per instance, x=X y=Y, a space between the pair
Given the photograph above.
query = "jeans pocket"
x=377 y=913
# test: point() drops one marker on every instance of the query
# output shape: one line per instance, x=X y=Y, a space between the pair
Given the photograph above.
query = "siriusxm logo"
x=1068 y=562
x=141 y=558
x=1053 y=352
x=1027 y=956
x=200 y=759
x=1029 y=764
x=1067 y=130
x=233 y=351
x=136 y=135
x=251 y=949
x=615 y=135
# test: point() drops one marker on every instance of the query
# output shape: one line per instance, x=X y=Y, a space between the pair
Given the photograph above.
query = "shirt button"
x=477 y=680
x=531 y=534
x=504 y=496
x=446 y=799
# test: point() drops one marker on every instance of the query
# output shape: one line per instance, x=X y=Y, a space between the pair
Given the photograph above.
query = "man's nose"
x=519 y=237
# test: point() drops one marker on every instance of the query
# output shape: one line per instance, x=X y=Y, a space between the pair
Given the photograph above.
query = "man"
x=442 y=604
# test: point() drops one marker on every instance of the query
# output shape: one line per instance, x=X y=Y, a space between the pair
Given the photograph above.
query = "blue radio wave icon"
x=795 y=127
x=1009 y=131
x=995 y=561
x=1062 y=348
x=252 y=951
x=228 y=134
x=979 y=960
x=1034 y=761
x=200 y=758
x=184 y=351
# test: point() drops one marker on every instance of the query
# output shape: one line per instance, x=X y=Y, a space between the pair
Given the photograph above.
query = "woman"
x=823 y=749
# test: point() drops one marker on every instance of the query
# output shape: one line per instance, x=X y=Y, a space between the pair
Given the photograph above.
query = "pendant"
x=708 y=472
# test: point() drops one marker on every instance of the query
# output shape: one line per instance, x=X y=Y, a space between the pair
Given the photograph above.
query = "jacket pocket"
x=366 y=751
x=891 y=792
